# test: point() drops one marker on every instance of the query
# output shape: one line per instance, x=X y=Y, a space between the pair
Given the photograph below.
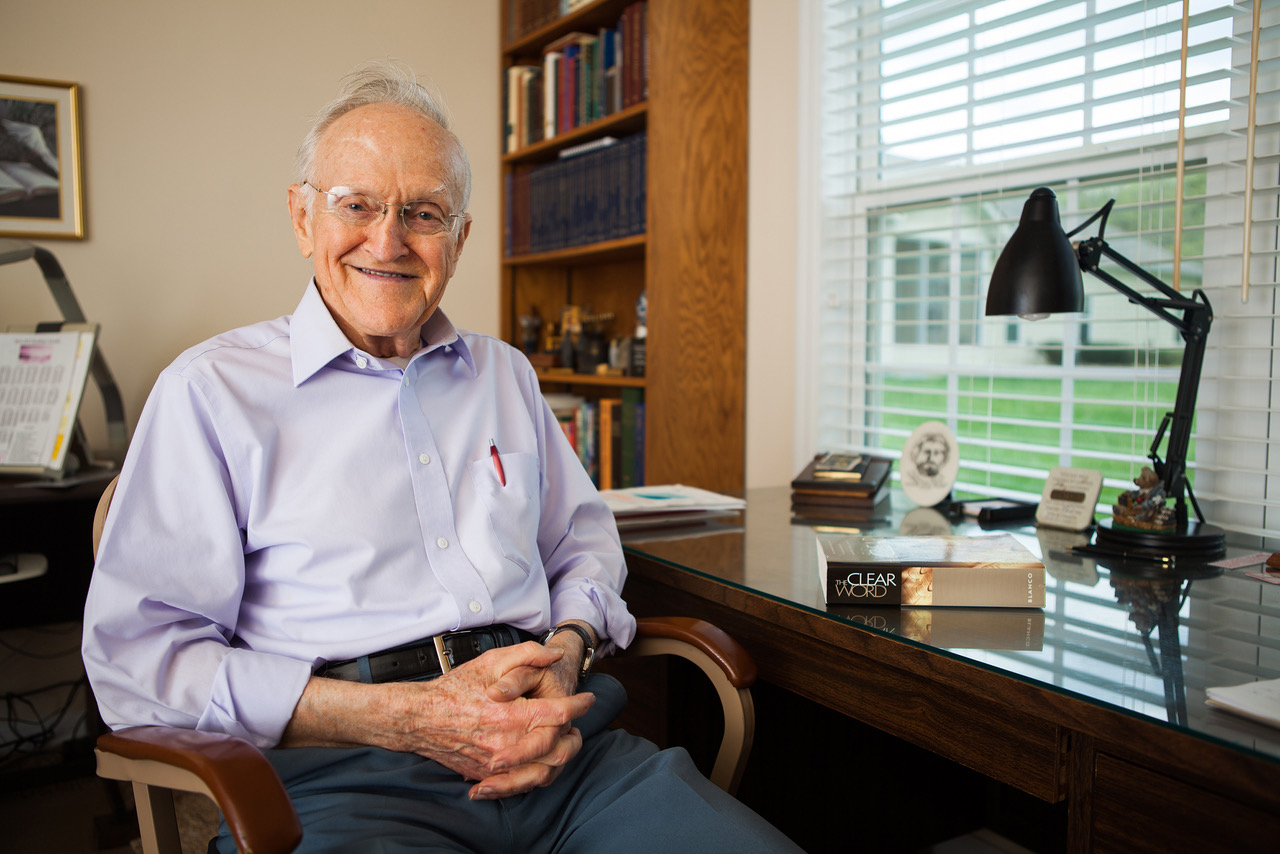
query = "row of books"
x=608 y=435
x=581 y=78
x=595 y=192
x=840 y=488
x=525 y=16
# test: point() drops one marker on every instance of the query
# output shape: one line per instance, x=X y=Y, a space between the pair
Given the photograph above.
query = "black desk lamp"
x=1037 y=274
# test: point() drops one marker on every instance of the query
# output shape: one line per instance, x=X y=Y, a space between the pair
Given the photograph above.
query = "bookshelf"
x=689 y=260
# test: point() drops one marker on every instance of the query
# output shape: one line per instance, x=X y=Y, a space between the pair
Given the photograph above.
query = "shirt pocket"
x=513 y=509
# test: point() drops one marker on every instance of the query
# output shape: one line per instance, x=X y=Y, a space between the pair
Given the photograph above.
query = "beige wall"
x=192 y=113
x=772 y=240
x=191 y=116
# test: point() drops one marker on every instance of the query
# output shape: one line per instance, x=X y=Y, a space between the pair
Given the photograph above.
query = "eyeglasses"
x=426 y=218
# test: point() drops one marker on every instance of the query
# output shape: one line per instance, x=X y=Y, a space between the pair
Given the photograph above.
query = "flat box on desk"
x=989 y=571
x=866 y=478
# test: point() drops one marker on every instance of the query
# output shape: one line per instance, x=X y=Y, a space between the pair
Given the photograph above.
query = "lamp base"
x=1197 y=540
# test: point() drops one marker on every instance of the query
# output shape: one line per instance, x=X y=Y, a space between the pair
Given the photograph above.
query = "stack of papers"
x=1257 y=700
x=42 y=379
x=668 y=505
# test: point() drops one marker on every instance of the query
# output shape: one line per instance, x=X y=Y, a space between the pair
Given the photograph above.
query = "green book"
x=631 y=397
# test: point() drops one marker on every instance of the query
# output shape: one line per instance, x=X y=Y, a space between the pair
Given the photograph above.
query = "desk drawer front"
x=1136 y=809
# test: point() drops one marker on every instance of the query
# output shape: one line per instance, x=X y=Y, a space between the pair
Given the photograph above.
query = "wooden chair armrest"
x=735 y=661
x=731 y=670
x=227 y=769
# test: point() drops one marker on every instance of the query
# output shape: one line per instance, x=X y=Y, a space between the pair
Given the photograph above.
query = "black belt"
x=427 y=658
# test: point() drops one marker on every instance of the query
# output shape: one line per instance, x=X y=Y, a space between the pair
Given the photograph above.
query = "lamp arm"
x=1091 y=251
x=12 y=251
x=112 y=403
x=1197 y=317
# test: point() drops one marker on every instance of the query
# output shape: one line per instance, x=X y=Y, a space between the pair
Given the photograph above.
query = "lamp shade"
x=1038 y=273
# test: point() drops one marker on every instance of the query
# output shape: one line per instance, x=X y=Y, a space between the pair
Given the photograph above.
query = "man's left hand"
x=557 y=680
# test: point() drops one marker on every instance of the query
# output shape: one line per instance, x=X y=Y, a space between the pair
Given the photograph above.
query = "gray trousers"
x=619 y=794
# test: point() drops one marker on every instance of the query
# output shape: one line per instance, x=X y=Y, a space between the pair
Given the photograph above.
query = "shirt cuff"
x=254 y=695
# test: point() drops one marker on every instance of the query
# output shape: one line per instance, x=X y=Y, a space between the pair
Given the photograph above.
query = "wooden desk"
x=1105 y=713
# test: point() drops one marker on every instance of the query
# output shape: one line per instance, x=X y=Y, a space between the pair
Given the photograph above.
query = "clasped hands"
x=504 y=719
x=522 y=734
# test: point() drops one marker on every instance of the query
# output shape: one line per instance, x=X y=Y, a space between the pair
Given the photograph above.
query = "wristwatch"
x=588 y=648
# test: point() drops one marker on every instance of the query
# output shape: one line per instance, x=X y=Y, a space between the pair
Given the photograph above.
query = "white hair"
x=385 y=83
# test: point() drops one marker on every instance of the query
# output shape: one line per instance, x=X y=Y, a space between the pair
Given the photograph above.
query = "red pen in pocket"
x=497 y=463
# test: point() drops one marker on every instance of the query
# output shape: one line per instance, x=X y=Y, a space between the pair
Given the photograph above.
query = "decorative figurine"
x=530 y=327
x=590 y=350
x=1143 y=508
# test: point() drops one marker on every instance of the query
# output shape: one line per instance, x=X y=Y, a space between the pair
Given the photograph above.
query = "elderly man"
x=321 y=513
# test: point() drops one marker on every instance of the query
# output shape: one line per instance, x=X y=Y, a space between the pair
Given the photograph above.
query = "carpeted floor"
x=197 y=823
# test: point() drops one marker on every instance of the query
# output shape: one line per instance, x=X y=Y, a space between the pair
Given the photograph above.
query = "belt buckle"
x=444 y=655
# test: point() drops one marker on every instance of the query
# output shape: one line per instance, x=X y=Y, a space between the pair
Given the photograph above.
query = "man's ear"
x=301 y=219
x=462 y=238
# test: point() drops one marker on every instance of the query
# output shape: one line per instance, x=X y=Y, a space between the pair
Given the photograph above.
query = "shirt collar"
x=316 y=340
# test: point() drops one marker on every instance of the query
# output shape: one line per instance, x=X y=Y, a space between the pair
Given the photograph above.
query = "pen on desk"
x=497 y=463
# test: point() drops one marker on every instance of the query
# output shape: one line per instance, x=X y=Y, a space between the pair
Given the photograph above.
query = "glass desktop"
x=1139 y=636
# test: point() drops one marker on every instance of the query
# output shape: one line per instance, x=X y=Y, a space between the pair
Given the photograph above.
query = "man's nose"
x=386 y=239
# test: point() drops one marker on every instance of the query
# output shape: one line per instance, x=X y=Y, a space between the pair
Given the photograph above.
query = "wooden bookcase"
x=691 y=259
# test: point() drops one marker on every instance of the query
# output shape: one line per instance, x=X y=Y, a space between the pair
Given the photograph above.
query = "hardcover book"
x=835 y=510
x=823 y=498
x=991 y=571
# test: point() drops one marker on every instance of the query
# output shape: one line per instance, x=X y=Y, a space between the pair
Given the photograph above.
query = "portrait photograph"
x=41 y=193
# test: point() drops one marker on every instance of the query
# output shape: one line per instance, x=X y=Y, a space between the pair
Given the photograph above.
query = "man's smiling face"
x=381 y=282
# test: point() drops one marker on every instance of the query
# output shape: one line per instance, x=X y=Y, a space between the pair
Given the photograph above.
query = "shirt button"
x=442 y=543
x=425 y=459
x=475 y=607
x=362 y=362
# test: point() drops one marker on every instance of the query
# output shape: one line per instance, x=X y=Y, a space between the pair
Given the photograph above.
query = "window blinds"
x=937 y=120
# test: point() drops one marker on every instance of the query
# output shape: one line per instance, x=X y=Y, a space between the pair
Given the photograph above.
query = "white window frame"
x=1217 y=406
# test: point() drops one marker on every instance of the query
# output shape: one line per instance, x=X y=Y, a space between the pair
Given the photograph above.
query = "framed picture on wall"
x=41 y=186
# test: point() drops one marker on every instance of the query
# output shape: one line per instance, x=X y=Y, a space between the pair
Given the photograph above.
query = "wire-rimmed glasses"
x=360 y=210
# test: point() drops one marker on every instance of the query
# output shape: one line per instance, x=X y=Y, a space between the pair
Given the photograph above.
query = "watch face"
x=930 y=463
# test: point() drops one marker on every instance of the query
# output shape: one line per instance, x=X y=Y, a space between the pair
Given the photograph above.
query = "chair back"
x=100 y=515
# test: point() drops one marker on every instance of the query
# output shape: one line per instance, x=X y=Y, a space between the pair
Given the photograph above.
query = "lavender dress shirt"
x=288 y=500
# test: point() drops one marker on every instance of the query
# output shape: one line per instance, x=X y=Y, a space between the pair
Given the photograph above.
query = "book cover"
x=990 y=571
x=590 y=452
x=851 y=519
x=836 y=500
x=837 y=511
x=610 y=430
x=631 y=401
x=639 y=444
x=550 y=92
x=531 y=107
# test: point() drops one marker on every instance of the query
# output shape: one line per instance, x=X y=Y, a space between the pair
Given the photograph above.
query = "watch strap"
x=588 y=648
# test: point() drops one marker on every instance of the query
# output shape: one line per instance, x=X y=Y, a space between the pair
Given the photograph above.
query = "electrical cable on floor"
x=45 y=726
